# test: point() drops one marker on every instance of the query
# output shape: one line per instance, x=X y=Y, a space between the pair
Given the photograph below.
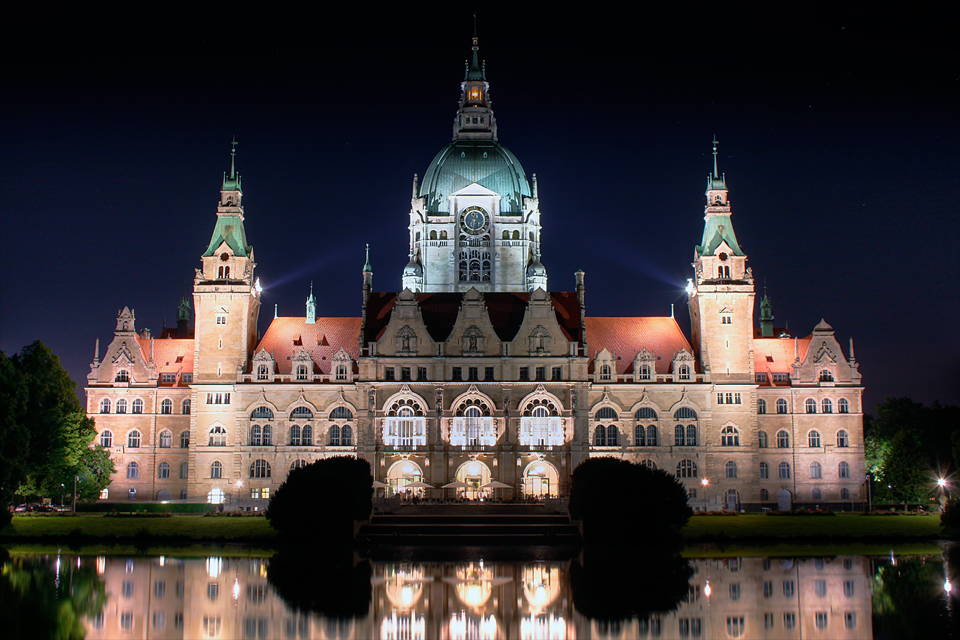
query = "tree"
x=620 y=502
x=906 y=473
x=321 y=501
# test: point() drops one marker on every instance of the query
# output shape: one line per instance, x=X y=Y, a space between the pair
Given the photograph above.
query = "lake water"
x=318 y=595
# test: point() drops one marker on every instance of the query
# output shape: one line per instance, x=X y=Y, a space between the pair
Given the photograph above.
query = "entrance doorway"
x=541 y=480
x=474 y=474
x=784 y=500
x=400 y=475
x=733 y=500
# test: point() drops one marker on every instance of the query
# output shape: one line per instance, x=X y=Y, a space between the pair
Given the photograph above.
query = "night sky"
x=838 y=133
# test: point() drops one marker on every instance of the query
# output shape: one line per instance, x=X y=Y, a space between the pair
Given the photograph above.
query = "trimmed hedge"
x=147 y=507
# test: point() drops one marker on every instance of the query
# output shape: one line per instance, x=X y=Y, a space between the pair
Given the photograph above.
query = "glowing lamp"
x=941 y=482
x=704 y=482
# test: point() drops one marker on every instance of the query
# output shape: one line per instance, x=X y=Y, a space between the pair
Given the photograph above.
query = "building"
x=475 y=372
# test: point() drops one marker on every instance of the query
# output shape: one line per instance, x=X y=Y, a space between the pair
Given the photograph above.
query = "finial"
x=233 y=156
x=276 y=311
x=536 y=190
x=474 y=29
x=671 y=311
x=96 y=351
x=311 y=288
x=416 y=179
x=367 y=268
x=715 y=173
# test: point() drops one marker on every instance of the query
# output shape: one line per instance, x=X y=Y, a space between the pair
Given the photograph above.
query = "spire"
x=718 y=227
x=311 y=307
x=366 y=265
x=475 y=119
x=96 y=352
x=229 y=226
x=276 y=310
x=232 y=183
x=766 y=315
x=853 y=358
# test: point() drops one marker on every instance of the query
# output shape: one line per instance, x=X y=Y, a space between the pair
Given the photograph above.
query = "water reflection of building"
x=166 y=598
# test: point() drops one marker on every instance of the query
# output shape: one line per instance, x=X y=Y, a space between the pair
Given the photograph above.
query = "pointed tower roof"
x=232 y=183
x=367 y=267
x=718 y=227
x=229 y=228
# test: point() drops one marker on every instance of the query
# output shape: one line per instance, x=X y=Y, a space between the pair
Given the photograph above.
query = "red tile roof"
x=624 y=337
x=777 y=355
x=321 y=340
x=169 y=355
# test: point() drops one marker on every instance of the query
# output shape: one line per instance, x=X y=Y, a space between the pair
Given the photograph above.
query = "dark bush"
x=619 y=502
x=322 y=500
x=950 y=518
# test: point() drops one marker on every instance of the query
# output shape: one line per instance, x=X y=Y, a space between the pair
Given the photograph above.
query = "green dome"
x=464 y=162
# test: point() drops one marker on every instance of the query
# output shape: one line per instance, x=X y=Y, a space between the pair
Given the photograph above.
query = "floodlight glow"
x=707 y=589
x=256 y=285
x=704 y=482
x=941 y=482
x=947 y=586
x=690 y=288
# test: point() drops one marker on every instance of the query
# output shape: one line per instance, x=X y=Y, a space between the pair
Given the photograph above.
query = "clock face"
x=474 y=219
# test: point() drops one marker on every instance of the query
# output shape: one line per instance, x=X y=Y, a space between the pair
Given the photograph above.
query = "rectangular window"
x=221 y=319
x=524 y=374
x=768 y=621
x=265 y=493
x=168 y=377
x=692 y=494
x=789 y=620
x=736 y=398
x=405 y=374
x=457 y=373
x=729 y=398
x=389 y=373
x=768 y=589
x=820 y=588
x=848 y=588
x=218 y=398
x=719 y=398
x=557 y=373
x=761 y=377
x=781 y=377
x=541 y=374
x=187 y=378
x=488 y=373
x=421 y=373
x=473 y=374
x=788 y=588
x=725 y=320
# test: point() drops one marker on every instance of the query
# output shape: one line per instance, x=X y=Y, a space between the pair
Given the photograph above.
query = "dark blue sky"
x=837 y=127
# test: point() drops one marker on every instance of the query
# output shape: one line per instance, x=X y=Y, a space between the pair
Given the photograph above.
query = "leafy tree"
x=620 y=502
x=14 y=434
x=906 y=473
x=321 y=501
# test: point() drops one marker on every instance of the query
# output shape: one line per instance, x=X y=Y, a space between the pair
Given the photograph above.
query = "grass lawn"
x=848 y=526
x=195 y=528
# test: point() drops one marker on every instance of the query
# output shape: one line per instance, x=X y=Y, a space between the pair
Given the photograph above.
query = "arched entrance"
x=163 y=494
x=784 y=500
x=401 y=474
x=541 y=480
x=733 y=500
x=474 y=474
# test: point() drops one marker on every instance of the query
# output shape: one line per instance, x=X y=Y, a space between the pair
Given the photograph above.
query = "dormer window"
x=684 y=372
x=826 y=376
x=645 y=372
x=123 y=376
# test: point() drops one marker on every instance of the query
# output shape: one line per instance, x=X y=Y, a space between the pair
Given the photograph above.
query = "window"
x=684 y=373
x=789 y=620
x=524 y=374
x=843 y=406
x=218 y=398
x=686 y=469
x=768 y=589
x=691 y=435
x=651 y=436
x=849 y=588
x=816 y=494
x=821 y=619
x=121 y=406
x=639 y=436
x=301 y=372
x=813 y=438
x=762 y=439
x=842 y=439
x=218 y=437
x=850 y=619
x=334 y=436
x=106 y=438
x=133 y=471
x=184 y=470
x=607 y=413
x=783 y=439
x=166 y=407
x=105 y=405
x=735 y=625
x=123 y=376
x=294 y=436
x=760 y=377
x=185 y=407
x=216 y=470
x=761 y=406
x=262 y=413
x=781 y=406
x=788 y=588
x=685 y=413
x=457 y=374
x=811 y=405
x=488 y=373
x=606 y=373
x=816 y=472
x=730 y=437
x=168 y=378
x=844 y=470
x=678 y=435
x=133 y=439
x=405 y=374
x=764 y=471
x=826 y=406
x=731 y=469
x=267 y=435
x=844 y=494
x=306 y=436
x=346 y=436
x=256 y=435
x=260 y=469
x=725 y=319
x=645 y=372
x=735 y=591
x=784 y=470
x=422 y=373
x=166 y=439
x=764 y=494
x=557 y=373
x=341 y=413
x=826 y=376
x=163 y=471
x=184 y=439
x=213 y=591
x=541 y=373
x=137 y=406
x=341 y=372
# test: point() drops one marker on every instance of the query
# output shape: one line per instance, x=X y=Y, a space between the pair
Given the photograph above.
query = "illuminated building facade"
x=475 y=373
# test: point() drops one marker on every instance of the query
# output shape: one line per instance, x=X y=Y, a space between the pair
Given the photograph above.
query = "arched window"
x=123 y=376
x=784 y=470
x=781 y=406
x=267 y=435
x=216 y=470
x=121 y=406
x=651 y=436
x=166 y=439
x=764 y=471
x=816 y=494
x=137 y=406
x=218 y=437
x=515 y=235
x=607 y=413
x=811 y=405
x=844 y=494
x=691 y=435
x=639 y=436
x=341 y=413
x=106 y=438
x=813 y=438
x=605 y=372
x=783 y=439
x=826 y=376
x=294 y=436
x=842 y=439
x=184 y=471
x=730 y=469
x=648 y=463
x=260 y=469
x=826 y=406
x=301 y=413
x=730 y=437
x=844 y=470
x=105 y=405
x=843 y=406
x=133 y=471
x=166 y=406
x=433 y=235
x=678 y=435
x=687 y=469
x=684 y=413
x=816 y=472
x=600 y=436
x=306 y=436
x=613 y=436
x=300 y=463
x=761 y=406
x=185 y=407
x=334 y=436
x=184 y=439
x=163 y=471
x=646 y=413
x=256 y=435
x=133 y=439
x=762 y=439
x=346 y=436
x=262 y=413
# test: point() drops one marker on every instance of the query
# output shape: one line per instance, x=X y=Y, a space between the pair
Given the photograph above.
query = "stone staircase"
x=470 y=525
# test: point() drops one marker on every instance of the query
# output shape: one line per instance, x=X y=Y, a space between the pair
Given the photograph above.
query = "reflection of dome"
x=536 y=268
x=541 y=586
x=485 y=162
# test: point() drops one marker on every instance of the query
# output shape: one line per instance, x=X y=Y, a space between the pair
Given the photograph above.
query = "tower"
x=226 y=295
x=720 y=295
x=474 y=219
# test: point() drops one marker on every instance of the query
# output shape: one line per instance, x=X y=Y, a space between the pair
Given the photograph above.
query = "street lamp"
x=706 y=501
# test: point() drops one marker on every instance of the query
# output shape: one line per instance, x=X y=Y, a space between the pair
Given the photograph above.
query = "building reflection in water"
x=727 y=598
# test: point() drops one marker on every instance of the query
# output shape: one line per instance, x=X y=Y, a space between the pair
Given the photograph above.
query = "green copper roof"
x=229 y=229
x=717 y=229
x=486 y=162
